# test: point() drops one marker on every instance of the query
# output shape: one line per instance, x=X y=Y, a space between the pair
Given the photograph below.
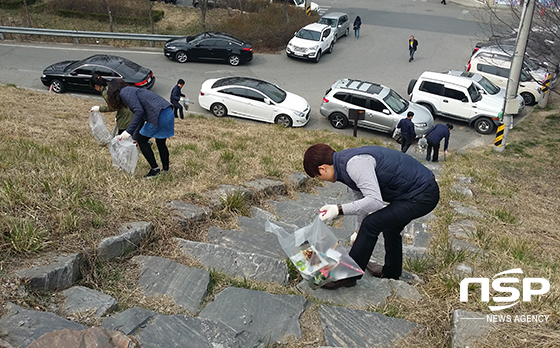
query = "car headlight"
x=171 y=47
x=43 y=76
x=299 y=113
x=421 y=125
x=314 y=48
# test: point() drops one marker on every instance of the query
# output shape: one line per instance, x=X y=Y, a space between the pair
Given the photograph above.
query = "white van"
x=497 y=71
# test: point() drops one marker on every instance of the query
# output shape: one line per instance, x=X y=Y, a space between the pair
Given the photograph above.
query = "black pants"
x=406 y=142
x=390 y=221
x=177 y=109
x=146 y=150
x=435 y=147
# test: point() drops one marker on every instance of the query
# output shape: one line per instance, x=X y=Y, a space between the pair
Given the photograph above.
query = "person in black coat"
x=412 y=47
x=434 y=136
x=407 y=131
x=376 y=175
x=357 y=25
x=175 y=97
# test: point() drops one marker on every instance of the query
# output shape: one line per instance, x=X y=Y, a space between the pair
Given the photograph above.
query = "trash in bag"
x=124 y=154
x=98 y=128
x=316 y=253
x=185 y=102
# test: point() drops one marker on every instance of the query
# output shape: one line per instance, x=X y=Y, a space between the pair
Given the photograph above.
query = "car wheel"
x=57 y=86
x=284 y=120
x=338 y=120
x=331 y=47
x=219 y=109
x=318 y=57
x=347 y=32
x=430 y=109
x=528 y=98
x=234 y=60
x=484 y=125
x=181 y=57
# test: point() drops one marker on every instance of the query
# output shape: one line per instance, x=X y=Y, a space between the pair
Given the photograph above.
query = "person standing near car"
x=123 y=116
x=153 y=118
x=412 y=47
x=357 y=25
x=176 y=97
x=376 y=175
x=407 y=131
x=434 y=136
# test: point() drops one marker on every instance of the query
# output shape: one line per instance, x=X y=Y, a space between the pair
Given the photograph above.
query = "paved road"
x=446 y=35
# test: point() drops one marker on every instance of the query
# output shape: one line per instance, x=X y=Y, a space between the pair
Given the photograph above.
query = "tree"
x=27 y=12
x=110 y=15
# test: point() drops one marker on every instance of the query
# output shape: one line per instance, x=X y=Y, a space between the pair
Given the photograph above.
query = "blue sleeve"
x=446 y=141
x=130 y=99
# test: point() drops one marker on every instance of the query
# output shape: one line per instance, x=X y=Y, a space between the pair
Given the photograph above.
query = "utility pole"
x=510 y=107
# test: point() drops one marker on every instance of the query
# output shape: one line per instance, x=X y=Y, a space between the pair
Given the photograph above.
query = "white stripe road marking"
x=97 y=49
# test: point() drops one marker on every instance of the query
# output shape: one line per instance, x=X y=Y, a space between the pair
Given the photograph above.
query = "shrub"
x=13 y=4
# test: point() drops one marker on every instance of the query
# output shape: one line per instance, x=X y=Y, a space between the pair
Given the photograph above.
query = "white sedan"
x=254 y=99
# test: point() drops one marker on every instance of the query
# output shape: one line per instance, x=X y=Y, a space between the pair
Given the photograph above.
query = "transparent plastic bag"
x=124 y=154
x=316 y=253
x=185 y=102
x=98 y=128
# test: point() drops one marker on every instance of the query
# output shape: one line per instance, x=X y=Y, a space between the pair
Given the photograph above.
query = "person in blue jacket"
x=357 y=25
x=153 y=118
x=376 y=175
x=408 y=134
x=175 y=97
x=434 y=136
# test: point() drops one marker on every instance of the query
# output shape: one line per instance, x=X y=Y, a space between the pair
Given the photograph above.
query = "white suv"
x=457 y=98
x=311 y=41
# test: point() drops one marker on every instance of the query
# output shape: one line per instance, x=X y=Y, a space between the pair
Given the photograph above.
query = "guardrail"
x=84 y=34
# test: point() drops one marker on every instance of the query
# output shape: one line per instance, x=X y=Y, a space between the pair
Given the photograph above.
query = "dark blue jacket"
x=407 y=128
x=400 y=176
x=176 y=94
x=438 y=132
x=146 y=106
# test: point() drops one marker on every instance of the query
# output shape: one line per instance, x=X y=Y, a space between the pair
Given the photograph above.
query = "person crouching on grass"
x=153 y=118
x=376 y=175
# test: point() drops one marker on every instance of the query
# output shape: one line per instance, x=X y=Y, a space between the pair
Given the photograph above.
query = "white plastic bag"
x=98 y=128
x=185 y=102
x=124 y=154
x=316 y=253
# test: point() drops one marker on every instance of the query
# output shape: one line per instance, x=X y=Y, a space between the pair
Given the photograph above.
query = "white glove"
x=353 y=237
x=328 y=212
x=94 y=108
x=124 y=135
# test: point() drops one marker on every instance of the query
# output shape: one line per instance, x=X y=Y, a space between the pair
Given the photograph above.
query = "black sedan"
x=75 y=74
x=209 y=46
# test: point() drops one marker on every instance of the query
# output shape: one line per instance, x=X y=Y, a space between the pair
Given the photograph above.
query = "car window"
x=454 y=94
x=236 y=91
x=397 y=103
x=207 y=42
x=106 y=72
x=84 y=70
x=431 y=87
x=328 y=21
x=345 y=97
x=487 y=69
x=488 y=86
x=309 y=35
x=376 y=105
x=344 y=19
x=327 y=32
x=474 y=93
x=221 y=43
x=272 y=91
x=358 y=100
x=253 y=95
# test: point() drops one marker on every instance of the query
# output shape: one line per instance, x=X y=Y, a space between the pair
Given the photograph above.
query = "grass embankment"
x=263 y=23
x=59 y=193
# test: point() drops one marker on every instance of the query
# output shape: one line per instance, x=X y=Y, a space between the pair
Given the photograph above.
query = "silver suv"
x=383 y=107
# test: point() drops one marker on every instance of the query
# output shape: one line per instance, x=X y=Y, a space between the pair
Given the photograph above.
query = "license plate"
x=298 y=53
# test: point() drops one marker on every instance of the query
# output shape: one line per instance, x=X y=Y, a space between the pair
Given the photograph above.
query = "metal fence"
x=84 y=34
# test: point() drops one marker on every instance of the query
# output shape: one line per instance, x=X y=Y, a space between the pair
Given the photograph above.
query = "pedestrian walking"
x=412 y=47
x=357 y=25
x=176 y=95
x=123 y=116
x=376 y=175
x=153 y=118
x=408 y=133
x=434 y=136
